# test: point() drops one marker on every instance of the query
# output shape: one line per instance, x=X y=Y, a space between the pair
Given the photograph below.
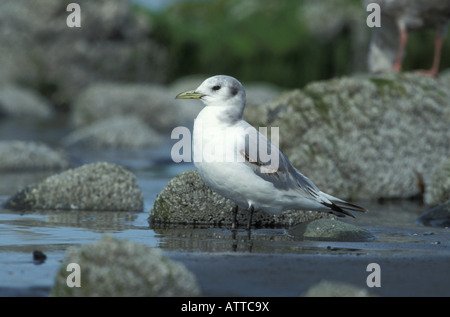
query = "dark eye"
x=217 y=87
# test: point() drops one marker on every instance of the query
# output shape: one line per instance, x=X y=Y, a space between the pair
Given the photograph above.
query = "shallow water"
x=271 y=263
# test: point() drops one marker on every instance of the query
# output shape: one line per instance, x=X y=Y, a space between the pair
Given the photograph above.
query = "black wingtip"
x=336 y=210
x=339 y=208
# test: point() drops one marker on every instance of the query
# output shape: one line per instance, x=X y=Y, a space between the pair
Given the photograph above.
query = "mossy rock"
x=438 y=186
x=96 y=186
x=110 y=267
x=330 y=230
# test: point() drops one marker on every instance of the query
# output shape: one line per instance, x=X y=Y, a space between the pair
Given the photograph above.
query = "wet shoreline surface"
x=413 y=258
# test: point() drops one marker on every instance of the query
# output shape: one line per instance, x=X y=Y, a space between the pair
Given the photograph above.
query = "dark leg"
x=249 y=226
x=250 y=216
x=234 y=217
x=234 y=240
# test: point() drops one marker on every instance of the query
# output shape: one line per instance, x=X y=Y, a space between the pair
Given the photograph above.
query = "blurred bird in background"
x=398 y=18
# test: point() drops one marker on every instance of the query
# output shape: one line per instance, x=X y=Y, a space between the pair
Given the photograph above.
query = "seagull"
x=398 y=18
x=225 y=157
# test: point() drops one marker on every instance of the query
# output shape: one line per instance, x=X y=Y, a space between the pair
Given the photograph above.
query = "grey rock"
x=110 y=267
x=96 y=186
x=444 y=77
x=153 y=104
x=259 y=93
x=16 y=101
x=116 y=132
x=28 y=155
x=337 y=289
x=330 y=230
x=363 y=137
x=188 y=200
x=438 y=186
x=438 y=216
x=113 y=43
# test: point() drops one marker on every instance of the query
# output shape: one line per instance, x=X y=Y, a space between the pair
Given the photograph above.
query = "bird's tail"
x=341 y=208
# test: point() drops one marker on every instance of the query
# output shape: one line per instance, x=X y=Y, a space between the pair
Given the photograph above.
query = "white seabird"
x=226 y=159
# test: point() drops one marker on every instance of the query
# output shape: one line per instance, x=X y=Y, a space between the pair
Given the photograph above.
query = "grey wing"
x=273 y=166
x=284 y=176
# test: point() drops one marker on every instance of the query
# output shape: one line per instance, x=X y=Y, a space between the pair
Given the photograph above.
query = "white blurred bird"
x=226 y=159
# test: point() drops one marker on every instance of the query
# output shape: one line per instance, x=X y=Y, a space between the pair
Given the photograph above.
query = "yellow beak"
x=190 y=94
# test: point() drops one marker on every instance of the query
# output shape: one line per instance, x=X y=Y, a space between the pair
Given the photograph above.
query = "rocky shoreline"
x=359 y=137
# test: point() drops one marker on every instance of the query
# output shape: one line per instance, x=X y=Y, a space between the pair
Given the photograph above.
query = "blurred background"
x=287 y=42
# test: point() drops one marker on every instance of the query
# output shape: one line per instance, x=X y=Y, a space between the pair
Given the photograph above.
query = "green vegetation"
x=288 y=42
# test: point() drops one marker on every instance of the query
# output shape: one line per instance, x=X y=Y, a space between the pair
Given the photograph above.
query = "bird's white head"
x=219 y=91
